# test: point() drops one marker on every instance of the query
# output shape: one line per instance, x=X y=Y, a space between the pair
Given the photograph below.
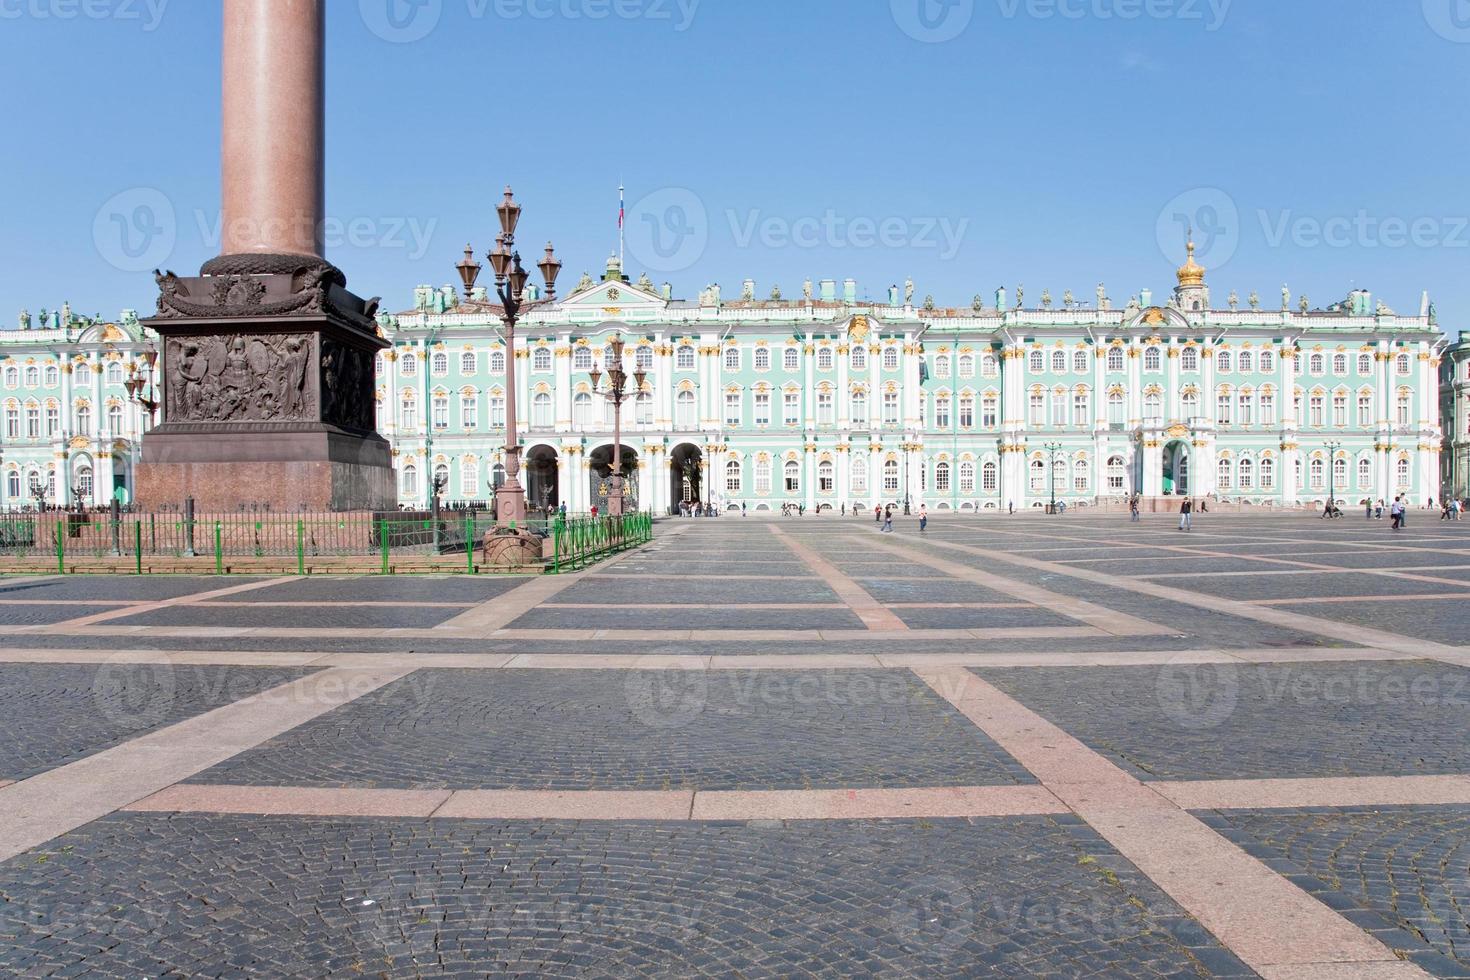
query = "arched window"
x=1402 y=363
x=824 y=359
x=1365 y=363
x=582 y=358
x=643 y=358
x=497 y=362
x=469 y=410
x=1318 y=472
x=684 y=410
x=826 y=480
x=1222 y=361
x=1339 y=364
x=84 y=420
x=732 y=477
x=1245 y=363
x=860 y=408
x=990 y=476
x=1365 y=474
x=1247 y=474
x=582 y=409
x=408 y=366
x=85 y=483
x=469 y=478
x=1223 y=473
x=1117 y=477
x=857 y=358
x=1117 y=360
x=12 y=377
x=1059 y=362
x=890 y=358
x=967 y=477
x=541 y=359
x=441 y=480
x=410 y=480
x=1403 y=474
x=440 y=363
x=643 y=408
x=941 y=366
x=762 y=476
x=1268 y=474
x=987 y=365
x=1405 y=406
x=1152 y=360
x=890 y=476
x=732 y=358
x=1189 y=359
x=1153 y=405
x=12 y=485
x=792 y=476
x=791 y=358
x=441 y=411
x=53 y=376
x=114 y=374
x=684 y=358
x=1036 y=362
x=1081 y=476
x=1038 y=476
x=967 y=366
x=468 y=363
x=1316 y=364
x=1189 y=404
x=1268 y=364
x=1079 y=361
x=762 y=358
x=941 y=477
x=1115 y=408
x=114 y=420
x=859 y=475
x=541 y=410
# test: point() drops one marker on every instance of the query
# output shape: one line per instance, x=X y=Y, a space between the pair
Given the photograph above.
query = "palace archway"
x=686 y=475
x=599 y=473
x=543 y=489
x=1176 y=468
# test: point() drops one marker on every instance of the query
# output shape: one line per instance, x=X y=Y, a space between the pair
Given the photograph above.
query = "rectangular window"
x=732 y=409
x=890 y=408
x=1038 y=409
x=497 y=413
x=762 y=408
x=825 y=408
x=792 y=403
x=1268 y=409
x=1245 y=406
x=468 y=410
x=990 y=412
x=1222 y=410
x=941 y=412
x=967 y=412
x=1365 y=411
x=1318 y=410
x=1339 y=410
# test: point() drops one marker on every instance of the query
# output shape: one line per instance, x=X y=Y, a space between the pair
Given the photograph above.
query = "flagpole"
x=622 y=215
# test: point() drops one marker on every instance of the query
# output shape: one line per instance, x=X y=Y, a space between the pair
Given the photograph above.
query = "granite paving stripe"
x=33 y=614
x=501 y=611
x=1260 y=917
x=36 y=810
x=869 y=610
x=463 y=589
x=694 y=593
x=1263 y=794
x=127 y=588
x=254 y=615
x=552 y=805
x=302 y=801
x=876 y=804
x=1328 y=600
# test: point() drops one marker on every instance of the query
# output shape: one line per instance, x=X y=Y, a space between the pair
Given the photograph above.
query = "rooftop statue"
x=585 y=282
x=1303 y=305
x=806 y=290
x=1255 y=300
x=908 y=292
x=1021 y=296
x=776 y=293
x=1285 y=297
x=25 y=319
x=1046 y=299
x=645 y=283
x=929 y=303
x=1234 y=300
x=977 y=304
x=1383 y=309
x=1068 y=300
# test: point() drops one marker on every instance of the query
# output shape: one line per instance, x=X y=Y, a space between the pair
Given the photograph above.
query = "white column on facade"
x=809 y=479
x=843 y=462
x=1135 y=382
x=562 y=385
x=1171 y=394
x=875 y=473
x=841 y=409
x=875 y=385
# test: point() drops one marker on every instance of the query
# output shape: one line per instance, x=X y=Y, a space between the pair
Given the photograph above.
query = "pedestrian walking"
x=1133 y=509
x=1396 y=512
x=888 y=520
x=1186 y=515
x=877 y=515
x=923 y=519
x=1368 y=504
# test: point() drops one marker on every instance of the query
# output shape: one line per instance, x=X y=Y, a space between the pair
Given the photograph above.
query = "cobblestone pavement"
x=1025 y=747
x=1015 y=898
x=586 y=730
x=1401 y=872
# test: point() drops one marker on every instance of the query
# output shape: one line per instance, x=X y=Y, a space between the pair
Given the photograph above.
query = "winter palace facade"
x=831 y=402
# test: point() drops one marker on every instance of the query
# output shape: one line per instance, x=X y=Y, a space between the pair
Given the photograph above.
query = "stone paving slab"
x=937 y=590
x=1031 y=617
x=288 y=897
x=1439 y=621
x=1308 y=584
x=632 y=729
x=1259 y=721
x=1402 y=873
x=693 y=618
x=694 y=594
x=38 y=614
x=386 y=588
x=326 y=614
x=122 y=588
x=54 y=714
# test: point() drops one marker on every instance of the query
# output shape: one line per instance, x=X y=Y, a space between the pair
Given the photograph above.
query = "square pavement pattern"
x=1007 y=746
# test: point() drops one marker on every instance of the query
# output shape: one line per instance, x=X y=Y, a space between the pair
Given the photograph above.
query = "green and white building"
x=831 y=401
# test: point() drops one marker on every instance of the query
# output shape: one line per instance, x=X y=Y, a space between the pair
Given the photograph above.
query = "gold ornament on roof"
x=1191 y=273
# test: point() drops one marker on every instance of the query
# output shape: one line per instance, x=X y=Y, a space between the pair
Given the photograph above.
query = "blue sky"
x=967 y=144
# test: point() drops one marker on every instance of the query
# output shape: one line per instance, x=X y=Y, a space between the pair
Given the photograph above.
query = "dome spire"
x=1191 y=273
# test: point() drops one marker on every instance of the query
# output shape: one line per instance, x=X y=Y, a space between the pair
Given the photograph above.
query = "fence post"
x=138 y=545
x=60 y=550
x=300 y=548
x=219 y=548
x=383 y=540
x=469 y=542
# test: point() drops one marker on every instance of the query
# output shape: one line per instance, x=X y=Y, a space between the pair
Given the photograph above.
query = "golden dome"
x=1191 y=273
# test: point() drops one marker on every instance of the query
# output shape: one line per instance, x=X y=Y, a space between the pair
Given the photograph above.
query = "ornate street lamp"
x=1333 y=448
x=1052 y=448
x=141 y=387
x=617 y=392
x=510 y=286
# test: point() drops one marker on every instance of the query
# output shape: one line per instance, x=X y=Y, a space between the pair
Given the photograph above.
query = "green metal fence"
x=387 y=544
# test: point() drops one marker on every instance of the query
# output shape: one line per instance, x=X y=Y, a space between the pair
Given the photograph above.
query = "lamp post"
x=510 y=286
x=1052 y=448
x=617 y=392
x=910 y=447
x=141 y=385
x=1333 y=448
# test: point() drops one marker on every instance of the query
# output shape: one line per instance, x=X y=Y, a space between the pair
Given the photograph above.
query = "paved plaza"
x=759 y=747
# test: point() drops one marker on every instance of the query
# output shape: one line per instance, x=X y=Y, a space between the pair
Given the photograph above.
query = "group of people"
x=884 y=516
x=697 y=509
